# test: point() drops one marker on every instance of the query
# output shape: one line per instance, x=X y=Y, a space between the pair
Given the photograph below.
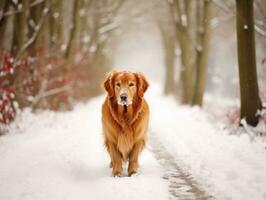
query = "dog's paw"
x=132 y=168
x=117 y=173
x=132 y=173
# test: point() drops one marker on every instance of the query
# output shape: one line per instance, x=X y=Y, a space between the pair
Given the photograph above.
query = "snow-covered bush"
x=8 y=103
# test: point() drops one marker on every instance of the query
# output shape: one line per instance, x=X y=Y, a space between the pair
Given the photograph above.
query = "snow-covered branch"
x=38 y=28
x=43 y=94
x=19 y=10
x=121 y=21
x=232 y=13
x=260 y=31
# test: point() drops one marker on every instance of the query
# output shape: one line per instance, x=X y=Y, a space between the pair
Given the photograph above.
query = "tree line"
x=192 y=22
x=54 y=51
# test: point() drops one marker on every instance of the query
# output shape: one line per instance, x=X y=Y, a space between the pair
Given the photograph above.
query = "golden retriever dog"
x=125 y=116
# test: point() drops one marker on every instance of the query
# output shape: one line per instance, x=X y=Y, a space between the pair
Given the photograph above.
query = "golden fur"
x=125 y=124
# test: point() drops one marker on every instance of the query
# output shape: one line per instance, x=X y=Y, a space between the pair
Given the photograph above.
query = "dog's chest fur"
x=125 y=144
x=125 y=139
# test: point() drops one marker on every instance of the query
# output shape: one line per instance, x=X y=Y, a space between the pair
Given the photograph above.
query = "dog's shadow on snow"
x=84 y=172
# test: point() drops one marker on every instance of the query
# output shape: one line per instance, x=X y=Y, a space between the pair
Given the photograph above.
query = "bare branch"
x=260 y=8
x=257 y=23
x=34 y=36
x=116 y=24
x=260 y=31
x=44 y=94
x=222 y=6
x=13 y=12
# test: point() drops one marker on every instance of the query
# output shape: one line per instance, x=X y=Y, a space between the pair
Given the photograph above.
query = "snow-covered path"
x=61 y=156
x=182 y=185
x=226 y=165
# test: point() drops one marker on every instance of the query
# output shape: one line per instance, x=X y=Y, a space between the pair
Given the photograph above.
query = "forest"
x=54 y=54
x=205 y=61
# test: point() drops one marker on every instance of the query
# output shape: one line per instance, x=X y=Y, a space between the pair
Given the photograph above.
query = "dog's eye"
x=131 y=84
x=118 y=84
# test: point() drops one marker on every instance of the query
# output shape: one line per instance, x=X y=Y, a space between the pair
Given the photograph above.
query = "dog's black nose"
x=123 y=97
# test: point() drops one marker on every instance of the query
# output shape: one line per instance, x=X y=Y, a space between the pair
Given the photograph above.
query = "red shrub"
x=7 y=94
x=7 y=105
x=46 y=82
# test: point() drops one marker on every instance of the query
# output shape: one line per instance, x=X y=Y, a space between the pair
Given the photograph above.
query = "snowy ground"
x=228 y=166
x=61 y=156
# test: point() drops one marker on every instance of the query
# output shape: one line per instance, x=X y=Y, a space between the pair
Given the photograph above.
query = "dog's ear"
x=109 y=83
x=142 y=84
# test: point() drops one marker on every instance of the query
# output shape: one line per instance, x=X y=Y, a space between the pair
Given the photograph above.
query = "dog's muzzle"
x=123 y=98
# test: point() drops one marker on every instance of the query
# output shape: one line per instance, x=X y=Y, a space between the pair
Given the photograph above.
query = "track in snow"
x=181 y=184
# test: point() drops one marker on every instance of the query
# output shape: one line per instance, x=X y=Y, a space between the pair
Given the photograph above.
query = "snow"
x=214 y=22
x=93 y=48
x=20 y=6
x=56 y=15
x=63 y=47
x=199 y=48
x=86 y=39
x=82 y=12
x=45 y=10
x=50 y=155
x=228 y=166
x=61 y=156
x=109 y=27
x=15 y=1
x=184 y=20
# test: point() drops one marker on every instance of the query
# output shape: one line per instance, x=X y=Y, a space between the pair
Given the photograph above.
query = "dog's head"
x=125 y=86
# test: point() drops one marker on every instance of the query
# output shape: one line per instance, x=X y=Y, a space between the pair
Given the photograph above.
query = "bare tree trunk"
x=202 y=54
x=169 y=57
x=74 y=30
x=4 y=5
x=56 y=21
x=83 y=20
x=20 y=24
x=183 y=31
x=187 y=68
x=45 y=29
x=19 y=40
x=35 y=14
x=97 y=42
x=249 y=91
x=199 y=36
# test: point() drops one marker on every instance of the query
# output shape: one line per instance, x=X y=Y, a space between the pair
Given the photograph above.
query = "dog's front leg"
x=134 y=156
x=116 y=160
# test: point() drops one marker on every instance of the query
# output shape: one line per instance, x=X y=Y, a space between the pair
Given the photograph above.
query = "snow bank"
x=228 y=166
x=61 y=156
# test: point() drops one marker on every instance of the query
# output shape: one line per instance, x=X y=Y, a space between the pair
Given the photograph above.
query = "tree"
x=20 y=23
x=4 y=6
x=75 y=28
x=183 y=30
x=56 y=21
x=203 y=34
x=169 y=48
x=194 y=46
x=35 y=15
x=166 y=26
x=249 y=91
